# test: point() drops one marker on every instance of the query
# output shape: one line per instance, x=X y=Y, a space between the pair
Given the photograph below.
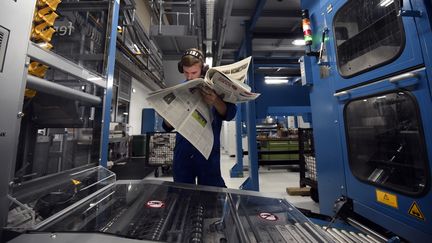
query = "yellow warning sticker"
x=387 y=198
x=415 y=211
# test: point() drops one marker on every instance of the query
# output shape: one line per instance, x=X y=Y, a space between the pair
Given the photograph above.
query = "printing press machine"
x=90 y=206
x=52 y=138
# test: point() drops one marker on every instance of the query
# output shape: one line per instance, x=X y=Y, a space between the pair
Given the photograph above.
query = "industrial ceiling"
x=222 y=28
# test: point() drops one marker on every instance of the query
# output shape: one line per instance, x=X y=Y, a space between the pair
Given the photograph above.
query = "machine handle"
x=321 y=50
x=404 y=76
x=339 y=94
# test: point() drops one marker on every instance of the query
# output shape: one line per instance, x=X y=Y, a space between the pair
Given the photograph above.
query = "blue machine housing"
x=409 y=72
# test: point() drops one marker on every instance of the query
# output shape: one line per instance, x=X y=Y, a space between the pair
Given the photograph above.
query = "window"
x=368 y=34
x=386 y=143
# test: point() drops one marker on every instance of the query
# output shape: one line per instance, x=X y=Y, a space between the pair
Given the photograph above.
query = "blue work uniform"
x=190 y=164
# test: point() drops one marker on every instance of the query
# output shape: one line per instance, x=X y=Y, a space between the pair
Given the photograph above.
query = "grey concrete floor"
x=273 y=181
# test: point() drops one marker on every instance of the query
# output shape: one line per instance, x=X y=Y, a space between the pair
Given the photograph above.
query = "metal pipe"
x=179 y=3
x=306 y=233
x=52 y=88
x=312 y=229
x=344 y=237
x=366 y=239
x=333 y=235
x=356 y=236
x=190 y=17
x=198 y=23
x=160 y=17
x=365 y=229
x=227 y=12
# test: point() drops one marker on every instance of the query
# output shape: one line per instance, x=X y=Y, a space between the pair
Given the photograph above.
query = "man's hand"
x=211 y=98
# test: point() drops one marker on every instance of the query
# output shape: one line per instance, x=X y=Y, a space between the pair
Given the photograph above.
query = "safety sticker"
x=387 y=198
x=155 y=204
x=415 y=211
x=268 y=216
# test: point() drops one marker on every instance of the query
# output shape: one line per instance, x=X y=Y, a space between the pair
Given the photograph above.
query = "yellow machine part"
x=29 y=93
x=43 y=31
x=45 y=45
x=37 y=69
x=45 y=14
x=50 y=3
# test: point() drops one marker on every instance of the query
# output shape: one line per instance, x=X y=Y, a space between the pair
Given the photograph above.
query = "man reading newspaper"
x=196 y=109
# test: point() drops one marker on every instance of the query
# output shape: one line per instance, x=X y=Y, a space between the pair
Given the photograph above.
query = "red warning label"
x=268 y=216
x=155 y=204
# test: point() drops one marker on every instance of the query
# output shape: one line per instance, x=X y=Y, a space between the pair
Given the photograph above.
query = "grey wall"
x=137 y=103
x=172 y=75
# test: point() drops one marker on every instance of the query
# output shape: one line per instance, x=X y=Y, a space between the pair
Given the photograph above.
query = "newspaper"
x=182 y=105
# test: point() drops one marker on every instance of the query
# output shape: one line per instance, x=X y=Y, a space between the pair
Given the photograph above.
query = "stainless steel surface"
x=46 y=86
x=338 y=94
x=15 y=16
x=73 y=237
x=403 y=77
x=413 y=74
x=366 y=229
x=335 y=236
x=54 y=60
x=344 y=237
x=169 y=212
x=306 y=233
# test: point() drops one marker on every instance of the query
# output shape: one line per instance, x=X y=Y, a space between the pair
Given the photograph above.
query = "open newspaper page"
x=183 y=107
x=228 y=81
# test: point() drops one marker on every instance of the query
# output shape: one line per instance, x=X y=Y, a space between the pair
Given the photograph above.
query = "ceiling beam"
x=222 y=29
x=281 y=62
x=251 y=25
x=267 y=13
x=276 y=33
x=257 y=14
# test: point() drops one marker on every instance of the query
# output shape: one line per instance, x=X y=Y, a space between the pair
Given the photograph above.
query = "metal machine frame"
x=17 y=49
x=409 y=71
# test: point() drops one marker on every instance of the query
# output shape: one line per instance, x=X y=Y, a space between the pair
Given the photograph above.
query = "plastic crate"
x=311 y=172
x=160 y=148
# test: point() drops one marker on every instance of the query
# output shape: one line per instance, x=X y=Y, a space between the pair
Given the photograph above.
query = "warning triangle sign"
x=415 y=211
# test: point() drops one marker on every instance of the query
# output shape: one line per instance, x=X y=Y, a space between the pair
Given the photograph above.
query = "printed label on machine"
x=415 y=211
x=268 y=216
x=387 y=198
x=155 y=204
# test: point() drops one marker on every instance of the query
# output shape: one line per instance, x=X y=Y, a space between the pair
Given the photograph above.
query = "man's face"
x=192 y=72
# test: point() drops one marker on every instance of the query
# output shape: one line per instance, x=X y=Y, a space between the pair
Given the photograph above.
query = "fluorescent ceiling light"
x=275 y=80
x=299 y=42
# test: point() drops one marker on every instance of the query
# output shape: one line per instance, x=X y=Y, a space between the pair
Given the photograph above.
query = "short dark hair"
x=191 y=57
x=189 y=61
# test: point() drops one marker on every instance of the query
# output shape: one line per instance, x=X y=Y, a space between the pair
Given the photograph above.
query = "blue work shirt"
x=189 y=164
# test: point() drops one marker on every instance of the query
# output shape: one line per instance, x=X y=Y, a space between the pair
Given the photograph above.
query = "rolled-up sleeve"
x=230 y=112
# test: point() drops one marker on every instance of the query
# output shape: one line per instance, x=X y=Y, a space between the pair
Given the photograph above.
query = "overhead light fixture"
x=299 y=42
x=275 y=80
x=385 y=3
